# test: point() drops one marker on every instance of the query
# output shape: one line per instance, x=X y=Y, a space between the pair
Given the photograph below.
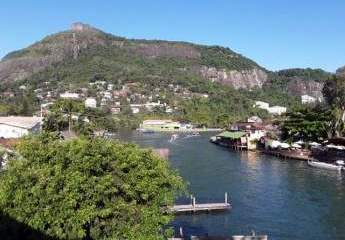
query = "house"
x=262 y=105
x=110 y=87
x=17 y=127
x=254 y=119
x=306 y=99
x=277 y=110
x=135 y=109
x=115 y=110
x=234 y=139
x=68 y=95
x=253 y=132
x=90 y=103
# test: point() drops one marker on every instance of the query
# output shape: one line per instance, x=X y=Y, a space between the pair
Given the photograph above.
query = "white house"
x=254 y=119
x=277 y=110
x=68 y=95
x=135 y=110
x=110 y=87
x=91 y=103
x=306 y=99
x=17 y=127
x=262 y=105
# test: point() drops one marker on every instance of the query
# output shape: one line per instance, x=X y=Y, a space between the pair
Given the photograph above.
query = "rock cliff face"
x=300 y=87
x=164 y=49
x=21 y=64
x=246 y=79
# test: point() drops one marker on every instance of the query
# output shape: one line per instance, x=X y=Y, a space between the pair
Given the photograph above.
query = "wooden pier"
x=288 y=154
x=194 y=207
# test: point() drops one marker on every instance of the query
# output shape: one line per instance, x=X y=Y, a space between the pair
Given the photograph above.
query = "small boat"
x=144 y=130
x=213 y=139
x=329 y=166
x=193 y=134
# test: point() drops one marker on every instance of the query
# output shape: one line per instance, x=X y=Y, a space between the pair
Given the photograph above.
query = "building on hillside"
x=91 y=103
x=135 y=110
x=306 y=99
x=115 y=110
x=110 y=87
x=254 y=119
x=17 y=127
x=68 y=95
x=277 y=110
x=262 y=105
x=45 y=108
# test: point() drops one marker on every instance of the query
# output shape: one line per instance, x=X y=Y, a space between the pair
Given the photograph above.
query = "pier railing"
x=195 y=207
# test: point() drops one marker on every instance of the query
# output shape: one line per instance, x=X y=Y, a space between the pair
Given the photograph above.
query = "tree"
x=311 y=124
x=88 y=189
x=334 y=94
x=68 y=107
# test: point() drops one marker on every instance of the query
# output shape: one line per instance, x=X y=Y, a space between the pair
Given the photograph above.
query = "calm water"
x=284 y=199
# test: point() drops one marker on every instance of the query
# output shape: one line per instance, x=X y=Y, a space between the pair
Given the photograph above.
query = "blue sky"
x=275 y=33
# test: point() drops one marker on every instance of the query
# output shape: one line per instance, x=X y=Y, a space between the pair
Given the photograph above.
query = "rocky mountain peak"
x=82 y=27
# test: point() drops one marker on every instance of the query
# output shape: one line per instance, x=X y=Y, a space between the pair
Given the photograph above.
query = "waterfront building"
x=164 y=125
x=241 y=135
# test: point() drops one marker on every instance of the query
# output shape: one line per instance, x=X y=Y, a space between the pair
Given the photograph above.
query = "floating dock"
x=200 y=207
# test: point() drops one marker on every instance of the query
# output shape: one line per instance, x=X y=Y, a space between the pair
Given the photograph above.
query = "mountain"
x=127 y=56
x=341 y=71
x=169 y=71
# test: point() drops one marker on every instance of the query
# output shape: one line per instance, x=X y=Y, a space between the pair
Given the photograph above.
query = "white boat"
x=173 y=137
x=324 y=165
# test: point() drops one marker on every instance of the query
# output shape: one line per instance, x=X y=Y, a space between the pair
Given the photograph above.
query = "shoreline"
x=180 y=130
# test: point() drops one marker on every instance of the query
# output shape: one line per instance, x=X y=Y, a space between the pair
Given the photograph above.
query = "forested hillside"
x=70 y=60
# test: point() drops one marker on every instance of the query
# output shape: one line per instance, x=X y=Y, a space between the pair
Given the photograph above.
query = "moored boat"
x=173 y=137
x=324 y=165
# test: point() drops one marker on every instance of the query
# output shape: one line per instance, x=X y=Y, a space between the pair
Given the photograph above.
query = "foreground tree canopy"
x=88 y=189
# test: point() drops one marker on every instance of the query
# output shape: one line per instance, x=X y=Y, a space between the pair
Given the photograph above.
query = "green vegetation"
x=334 y=94
x=88 y=189
x=309 y=124
x=305 y=74
x=225 y=58
x=320 y=122
x=63 y=114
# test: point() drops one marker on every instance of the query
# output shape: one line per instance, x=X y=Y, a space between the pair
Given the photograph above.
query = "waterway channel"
x=285 y=199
